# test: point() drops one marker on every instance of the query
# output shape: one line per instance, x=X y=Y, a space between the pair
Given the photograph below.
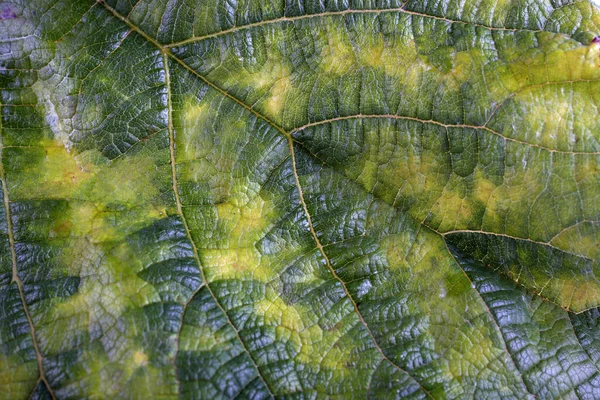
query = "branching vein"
x=187 y=229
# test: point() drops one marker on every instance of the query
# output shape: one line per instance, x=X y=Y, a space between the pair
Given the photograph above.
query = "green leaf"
x=303 y=199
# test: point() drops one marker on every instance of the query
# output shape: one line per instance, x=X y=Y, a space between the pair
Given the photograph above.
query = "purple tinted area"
x=596 y=39
x=7 y=13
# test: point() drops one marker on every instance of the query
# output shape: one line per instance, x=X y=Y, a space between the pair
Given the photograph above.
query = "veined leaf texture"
x=299 y=199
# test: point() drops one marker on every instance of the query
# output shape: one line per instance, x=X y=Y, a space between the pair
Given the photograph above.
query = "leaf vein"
x=445 y=125
x=335 y=275
x=400 y=10
x=15 y=273
x=492 y=317
x=187 y=231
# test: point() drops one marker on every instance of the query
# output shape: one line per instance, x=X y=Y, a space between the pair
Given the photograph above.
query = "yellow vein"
x=341 y=13
x=186 y=226
x=15 y=273
x=332 y=270
x=444 y=125
x=504 y=235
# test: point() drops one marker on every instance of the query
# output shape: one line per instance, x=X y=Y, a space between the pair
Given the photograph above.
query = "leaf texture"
x=214 y=199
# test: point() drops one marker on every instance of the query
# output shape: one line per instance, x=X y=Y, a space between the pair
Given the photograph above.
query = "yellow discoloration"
x=190 y=141
x=104 y=202
x=585 y=245
x=99 y=225
x=497 y=206
x=152 y=379
x=440 y=289
x=407 y=253
x=17 y=379
x=453 y=209
x=397 y=249
x=401 y=62
x=244 y=226
x=581 y=239
x=396 y=170
x=338 y=56
x=509 y=205
x=276 y=101
x=63 y=172
x=199 y=338
x=560 y=65
x=58 y=176
x=83 y=220
x=127 y=377
x=102 y=297
x=557 y=61
x=235 y=263
x=590 y=63
x=140 y=359
x=194 y=114
x=94 y=219
x=473 y=352
x=247 y=223
x=127 y=180
x=463 y=64
x=483 y=188
x=64 y=175
x=337 y=359
x=574 y=294
x=276 y=312
x=547 y=119
x=585 y=168
x=373 y=53
x=368 y=176
x=244 y=194
x=274 y=80
x=322 y=347
x=308 y=339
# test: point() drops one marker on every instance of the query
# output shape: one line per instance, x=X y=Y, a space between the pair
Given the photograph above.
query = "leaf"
x=253 y=199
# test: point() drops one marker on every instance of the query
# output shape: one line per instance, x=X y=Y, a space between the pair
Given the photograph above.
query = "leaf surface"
x=257 y=199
